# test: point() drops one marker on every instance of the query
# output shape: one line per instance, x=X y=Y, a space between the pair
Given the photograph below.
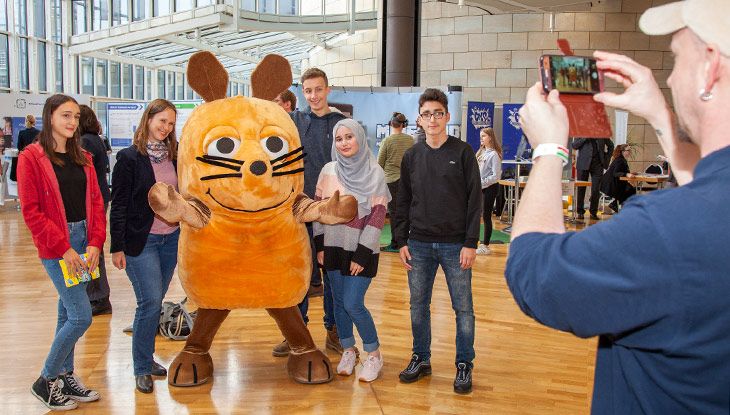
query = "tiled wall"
x=494 y=57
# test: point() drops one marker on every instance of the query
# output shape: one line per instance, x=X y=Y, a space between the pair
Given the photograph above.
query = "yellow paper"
x=71 y=279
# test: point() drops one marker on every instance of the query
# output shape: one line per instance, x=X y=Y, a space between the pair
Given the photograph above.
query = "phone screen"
x=574 y=74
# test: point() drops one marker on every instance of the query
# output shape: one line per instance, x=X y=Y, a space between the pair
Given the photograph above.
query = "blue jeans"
x=426 y=258
x=348 y=292
x=327 y=301
x=74 y=310
x=150 y=274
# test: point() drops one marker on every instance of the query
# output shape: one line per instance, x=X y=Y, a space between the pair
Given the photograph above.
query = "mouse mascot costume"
x=243 y=243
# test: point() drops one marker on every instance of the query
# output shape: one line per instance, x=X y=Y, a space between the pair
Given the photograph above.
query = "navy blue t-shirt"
x=654 y=283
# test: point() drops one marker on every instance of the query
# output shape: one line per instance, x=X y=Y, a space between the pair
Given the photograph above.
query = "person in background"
x=25 y=137
x=390 y=155
x=98 y=289
x=593 y=159
x=287 y=100
x=611 y=184
x=659 y=301
x=64 y=212
x=144 y=245
x=418 y=135
x=349 y=252
x=439 y=206
x=489 y=158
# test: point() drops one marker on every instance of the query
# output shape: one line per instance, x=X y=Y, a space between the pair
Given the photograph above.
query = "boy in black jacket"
x=437 y=223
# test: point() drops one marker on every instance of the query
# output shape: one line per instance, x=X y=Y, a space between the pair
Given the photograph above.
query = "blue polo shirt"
x=654 y=283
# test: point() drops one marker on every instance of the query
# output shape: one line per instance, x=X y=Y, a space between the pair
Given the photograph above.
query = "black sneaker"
x=417 y=368
x=462 y=383
x=74 y=389
x=49 y=392
x=101 y=307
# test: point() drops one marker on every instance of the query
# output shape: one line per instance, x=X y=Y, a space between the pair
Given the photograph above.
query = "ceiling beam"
x=131 y=61
x=183 y=41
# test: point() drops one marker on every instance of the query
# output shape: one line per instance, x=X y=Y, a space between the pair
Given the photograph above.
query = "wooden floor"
x=520 y=366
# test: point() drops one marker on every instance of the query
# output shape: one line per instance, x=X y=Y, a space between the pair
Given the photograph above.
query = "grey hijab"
x=361 y=175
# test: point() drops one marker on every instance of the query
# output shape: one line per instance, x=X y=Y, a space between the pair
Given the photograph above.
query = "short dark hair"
x=88 y=123
x=288 y=96
x=398 y=120
x=315 y=73
x=433 y=94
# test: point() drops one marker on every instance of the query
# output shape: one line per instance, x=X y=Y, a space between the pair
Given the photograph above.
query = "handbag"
x=176 y=322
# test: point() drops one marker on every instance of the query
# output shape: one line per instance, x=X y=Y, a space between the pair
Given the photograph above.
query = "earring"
x=705 y=96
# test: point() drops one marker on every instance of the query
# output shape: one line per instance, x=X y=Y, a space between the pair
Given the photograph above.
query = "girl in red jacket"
x=64 y=211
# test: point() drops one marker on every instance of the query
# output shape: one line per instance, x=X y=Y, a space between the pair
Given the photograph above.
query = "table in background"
x=640 y=179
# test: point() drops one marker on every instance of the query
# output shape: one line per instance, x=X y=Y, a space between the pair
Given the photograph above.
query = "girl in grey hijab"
x=360 y=173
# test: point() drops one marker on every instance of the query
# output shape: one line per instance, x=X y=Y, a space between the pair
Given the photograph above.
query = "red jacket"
x=43 y=211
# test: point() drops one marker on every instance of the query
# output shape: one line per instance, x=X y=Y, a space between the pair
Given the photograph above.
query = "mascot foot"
x=310 y=367
x=190 y=369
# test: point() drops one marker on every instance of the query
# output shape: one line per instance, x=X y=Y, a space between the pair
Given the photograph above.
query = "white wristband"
x=550 y=149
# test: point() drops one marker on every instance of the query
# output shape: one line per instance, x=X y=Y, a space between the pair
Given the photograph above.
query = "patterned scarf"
x=157 y=152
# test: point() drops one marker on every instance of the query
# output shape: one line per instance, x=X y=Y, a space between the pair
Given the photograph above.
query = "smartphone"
x=571 y=74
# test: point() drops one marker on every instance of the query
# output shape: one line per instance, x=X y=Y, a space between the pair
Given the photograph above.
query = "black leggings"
x=488 y=196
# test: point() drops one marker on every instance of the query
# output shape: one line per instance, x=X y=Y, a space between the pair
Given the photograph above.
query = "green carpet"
x=498 y=237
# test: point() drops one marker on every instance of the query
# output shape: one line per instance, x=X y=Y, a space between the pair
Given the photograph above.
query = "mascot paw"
x=166 y=202
x=190 y=369
x=309 y=367
x=338 y=209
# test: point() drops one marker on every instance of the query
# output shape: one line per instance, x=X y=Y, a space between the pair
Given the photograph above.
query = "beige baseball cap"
x=708 y=19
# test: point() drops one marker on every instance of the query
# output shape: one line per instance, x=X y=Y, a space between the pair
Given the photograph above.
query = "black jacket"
x=605 y=150
x=131 y=217
x=611 y=183
x=94 y=145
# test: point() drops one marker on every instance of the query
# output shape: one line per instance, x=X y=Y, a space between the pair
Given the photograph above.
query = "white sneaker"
x=347 y=363
x=371 y=368
x=483 y=250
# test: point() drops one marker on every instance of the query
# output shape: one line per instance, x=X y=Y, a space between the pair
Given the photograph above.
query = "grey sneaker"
x=417 y=368
x=49 y=392
x=74 y=389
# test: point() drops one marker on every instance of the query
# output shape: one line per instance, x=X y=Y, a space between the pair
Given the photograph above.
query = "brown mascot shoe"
x=309 y=367
x=281 y=350
x=190 y=369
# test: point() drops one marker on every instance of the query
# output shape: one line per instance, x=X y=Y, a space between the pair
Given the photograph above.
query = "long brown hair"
x=141 y=136
x=493 y=143
x=45 y=136
x=619 y=151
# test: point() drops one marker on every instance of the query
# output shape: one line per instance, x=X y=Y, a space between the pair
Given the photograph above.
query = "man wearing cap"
x=660 y=301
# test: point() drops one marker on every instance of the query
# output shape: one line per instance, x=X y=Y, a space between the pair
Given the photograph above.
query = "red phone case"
x=586 y=117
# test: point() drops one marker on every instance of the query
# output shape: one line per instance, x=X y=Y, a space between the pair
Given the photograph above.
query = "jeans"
x=327 y=301
x=426 y=257
x=150 y=274
x=348 y=292
x=74 y=310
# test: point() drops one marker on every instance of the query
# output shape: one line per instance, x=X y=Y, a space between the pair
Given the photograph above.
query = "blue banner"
x=479 y=115
x=511 y=131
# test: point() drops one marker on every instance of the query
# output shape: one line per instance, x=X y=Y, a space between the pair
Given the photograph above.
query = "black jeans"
x=596 y=172
x=489 y=194
x=393 y=188
x=98 y=289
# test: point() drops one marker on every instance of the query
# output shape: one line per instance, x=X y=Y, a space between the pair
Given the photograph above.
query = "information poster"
x=184 y=109
x=374 y=107
x=123 y=119
x=479 y=115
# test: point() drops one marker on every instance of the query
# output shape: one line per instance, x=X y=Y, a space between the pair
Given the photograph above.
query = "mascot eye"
x=275 y=146
x=223 y=147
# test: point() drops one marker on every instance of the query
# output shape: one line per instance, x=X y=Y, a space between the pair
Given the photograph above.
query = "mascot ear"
x=271 y=76
x=207 y=76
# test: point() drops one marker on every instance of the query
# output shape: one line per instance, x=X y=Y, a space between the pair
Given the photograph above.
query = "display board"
x=479 y=115
x=511 y=130
x=373 y=108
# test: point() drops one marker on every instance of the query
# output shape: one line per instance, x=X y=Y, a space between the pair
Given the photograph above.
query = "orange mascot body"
x=243 y=243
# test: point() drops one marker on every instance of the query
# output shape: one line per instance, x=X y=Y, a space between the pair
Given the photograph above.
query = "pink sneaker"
x=371 y=368
x=347 y=363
